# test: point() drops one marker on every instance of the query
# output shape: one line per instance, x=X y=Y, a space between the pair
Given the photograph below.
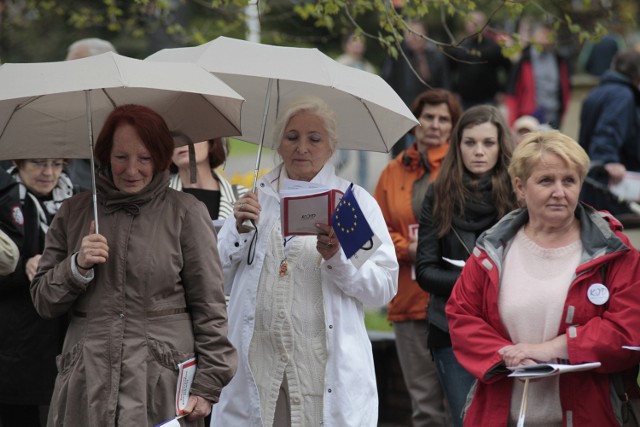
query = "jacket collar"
x=597 y=233
x=113 y=199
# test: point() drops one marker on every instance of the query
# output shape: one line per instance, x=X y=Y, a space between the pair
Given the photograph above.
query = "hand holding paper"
x=197 y=408
x=327 y=244
x=305 y=204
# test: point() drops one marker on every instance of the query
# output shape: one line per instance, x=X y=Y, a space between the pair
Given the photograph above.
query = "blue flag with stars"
x=350 y=225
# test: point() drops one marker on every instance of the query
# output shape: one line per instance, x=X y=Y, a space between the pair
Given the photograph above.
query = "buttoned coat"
x=157 y=301
x=350 y=394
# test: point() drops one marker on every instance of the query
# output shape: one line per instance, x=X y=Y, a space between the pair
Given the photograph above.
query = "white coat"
x=350 y=396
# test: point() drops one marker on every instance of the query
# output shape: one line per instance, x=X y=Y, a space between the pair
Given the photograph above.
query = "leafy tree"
x=40 y=30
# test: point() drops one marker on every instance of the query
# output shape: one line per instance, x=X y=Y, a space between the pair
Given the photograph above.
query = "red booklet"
x=303 y=208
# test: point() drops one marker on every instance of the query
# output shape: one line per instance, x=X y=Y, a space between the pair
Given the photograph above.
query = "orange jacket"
x=393 y=193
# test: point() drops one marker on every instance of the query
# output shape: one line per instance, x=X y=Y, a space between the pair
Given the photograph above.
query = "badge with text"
x=598 y=294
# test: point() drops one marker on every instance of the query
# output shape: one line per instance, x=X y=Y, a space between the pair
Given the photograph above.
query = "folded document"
x=549 y=369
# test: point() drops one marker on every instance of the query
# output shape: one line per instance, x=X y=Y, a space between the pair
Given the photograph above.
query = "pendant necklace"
x=283 y=264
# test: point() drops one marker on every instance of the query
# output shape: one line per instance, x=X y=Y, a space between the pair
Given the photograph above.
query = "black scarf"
x=479 y=208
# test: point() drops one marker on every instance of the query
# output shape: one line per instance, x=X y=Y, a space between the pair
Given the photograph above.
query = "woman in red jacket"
x=553 y=281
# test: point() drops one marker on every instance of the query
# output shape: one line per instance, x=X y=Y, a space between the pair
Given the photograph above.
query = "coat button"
x=281 y=314
x=330 y=267
x=236 y=244
x=330 y=326
x=329 y=390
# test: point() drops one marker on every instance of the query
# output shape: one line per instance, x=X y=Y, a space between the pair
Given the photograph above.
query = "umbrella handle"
x=247 y=224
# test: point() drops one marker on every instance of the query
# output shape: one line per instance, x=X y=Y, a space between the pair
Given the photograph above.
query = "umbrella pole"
x=267 y=101
x=93 y=164
x=250 y=224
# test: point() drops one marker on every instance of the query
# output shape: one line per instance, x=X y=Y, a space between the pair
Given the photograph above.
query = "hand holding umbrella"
x=247 y=208
x=94 y=249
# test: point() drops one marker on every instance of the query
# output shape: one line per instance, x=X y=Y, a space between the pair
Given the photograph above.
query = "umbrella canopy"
x=45 y=107
x=371 y=115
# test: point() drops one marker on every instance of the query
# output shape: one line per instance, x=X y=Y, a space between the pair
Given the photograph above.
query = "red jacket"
x=393 y=193
x=594 y=333
x=520 y=98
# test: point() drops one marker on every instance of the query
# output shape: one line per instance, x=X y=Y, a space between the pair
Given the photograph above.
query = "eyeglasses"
x=45 y=164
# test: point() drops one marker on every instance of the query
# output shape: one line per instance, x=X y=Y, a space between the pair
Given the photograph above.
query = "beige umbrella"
x=371 y=115
x=50 y=110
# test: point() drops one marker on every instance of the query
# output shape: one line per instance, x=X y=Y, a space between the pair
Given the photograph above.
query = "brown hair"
x=217 y=154
x=449 y=189
x=437 y=97
x=151 y=128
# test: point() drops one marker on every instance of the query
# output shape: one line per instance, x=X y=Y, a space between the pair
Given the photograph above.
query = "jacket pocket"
x=67 y=360
x=166 y=355
x=162 y=375
x=69 y=401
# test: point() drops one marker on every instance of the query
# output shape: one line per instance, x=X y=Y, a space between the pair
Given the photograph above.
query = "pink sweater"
x=533 y=290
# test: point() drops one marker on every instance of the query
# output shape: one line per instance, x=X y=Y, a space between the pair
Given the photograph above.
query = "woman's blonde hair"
x=535 y=144
x=313 y=105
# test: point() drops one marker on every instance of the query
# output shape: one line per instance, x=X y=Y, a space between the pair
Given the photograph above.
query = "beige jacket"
x=156 y=302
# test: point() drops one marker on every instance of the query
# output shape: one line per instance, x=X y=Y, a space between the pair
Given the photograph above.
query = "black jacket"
x=29 y=344
x=400 y=76
x=609 y=132
x=479 y=69
x=434 y=274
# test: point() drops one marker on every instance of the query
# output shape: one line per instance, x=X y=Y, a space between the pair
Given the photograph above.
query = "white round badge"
x=598 y=294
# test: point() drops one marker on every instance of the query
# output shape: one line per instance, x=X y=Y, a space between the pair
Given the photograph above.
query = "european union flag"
x=350 y=225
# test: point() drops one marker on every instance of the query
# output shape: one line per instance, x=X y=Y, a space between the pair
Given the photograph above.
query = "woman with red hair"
x=142 y=296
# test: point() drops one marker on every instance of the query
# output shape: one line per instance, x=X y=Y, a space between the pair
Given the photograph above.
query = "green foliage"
x=140 y=26
x=376 y=320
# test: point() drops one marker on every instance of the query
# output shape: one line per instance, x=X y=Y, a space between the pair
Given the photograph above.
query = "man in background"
x=479 y=68
x=424 y=67
x=609 y=129
x=79 y=170
x=539 y=82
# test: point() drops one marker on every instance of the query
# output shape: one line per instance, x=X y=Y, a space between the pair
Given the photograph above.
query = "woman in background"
x=400 y=193
x=471 y=193
x=29 y=344
x=209 y=187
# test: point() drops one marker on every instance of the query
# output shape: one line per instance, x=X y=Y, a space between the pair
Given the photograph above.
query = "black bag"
x=629 y=405
x=627 y=392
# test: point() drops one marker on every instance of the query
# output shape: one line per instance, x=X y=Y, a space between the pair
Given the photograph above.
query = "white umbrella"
x=371 y=115
x=49 y=110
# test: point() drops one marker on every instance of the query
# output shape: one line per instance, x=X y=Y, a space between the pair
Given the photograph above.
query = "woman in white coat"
x=296 y=312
